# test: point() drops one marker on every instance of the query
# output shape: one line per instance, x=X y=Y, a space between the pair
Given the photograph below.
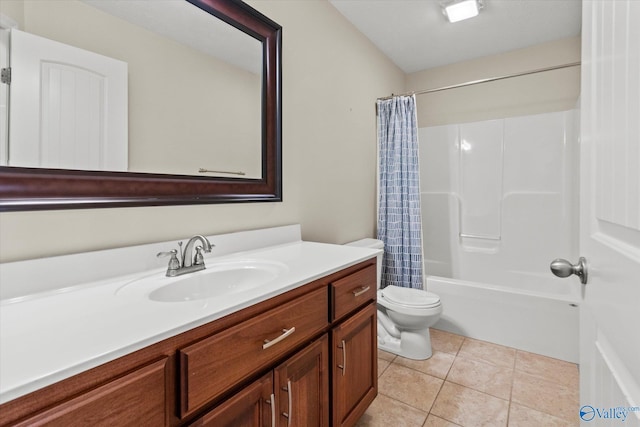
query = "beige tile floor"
x=470 y=383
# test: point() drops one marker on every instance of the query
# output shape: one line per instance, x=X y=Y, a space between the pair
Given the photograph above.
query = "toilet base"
x=411 y=344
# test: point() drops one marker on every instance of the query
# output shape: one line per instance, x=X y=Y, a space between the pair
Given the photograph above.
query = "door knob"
x=563 y=268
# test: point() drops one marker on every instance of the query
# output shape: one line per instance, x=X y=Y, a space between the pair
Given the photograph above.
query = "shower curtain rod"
x=487 y=80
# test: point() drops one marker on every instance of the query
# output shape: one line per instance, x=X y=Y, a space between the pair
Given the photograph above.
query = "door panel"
x=355 y=369
x=68 y=107
x=4 y=98
x=251 y=407
x=302 y=387
x=610 y=208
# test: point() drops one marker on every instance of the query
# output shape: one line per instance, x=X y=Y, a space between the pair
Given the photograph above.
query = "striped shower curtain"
x=399 y=218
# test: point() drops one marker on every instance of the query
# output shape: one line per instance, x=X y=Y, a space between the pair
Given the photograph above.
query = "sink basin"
x=217 y=280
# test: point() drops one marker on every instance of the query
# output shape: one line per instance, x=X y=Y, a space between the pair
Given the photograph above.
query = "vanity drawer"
x=132 y=400
x=353 y=291
x=212 y=366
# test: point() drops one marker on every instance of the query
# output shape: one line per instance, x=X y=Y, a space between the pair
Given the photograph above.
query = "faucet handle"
x=172 y=252
x=199 y=258
x=174 y=264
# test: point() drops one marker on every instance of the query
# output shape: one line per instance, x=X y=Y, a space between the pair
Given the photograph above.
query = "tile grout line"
x=444 y=381
x=548 y=380
x=513 y=379
x=406 y=404
x=457 y=355
x=428 y=412
x=423 y=373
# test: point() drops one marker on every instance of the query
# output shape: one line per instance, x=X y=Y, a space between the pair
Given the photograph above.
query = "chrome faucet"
x=190 y=262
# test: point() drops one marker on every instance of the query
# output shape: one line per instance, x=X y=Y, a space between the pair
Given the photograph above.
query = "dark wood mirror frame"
x=23 y=189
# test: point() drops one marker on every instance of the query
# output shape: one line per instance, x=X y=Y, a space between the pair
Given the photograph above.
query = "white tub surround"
x=83 y=314
x=542 y=320
x=499 y=204
x=499 y=197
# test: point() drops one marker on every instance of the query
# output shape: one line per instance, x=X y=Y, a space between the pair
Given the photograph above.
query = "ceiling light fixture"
x=458 y=10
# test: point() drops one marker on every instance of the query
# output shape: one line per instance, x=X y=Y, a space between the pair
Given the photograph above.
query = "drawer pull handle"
x=272 y=404
x=343 y=346
x=287 y=415
x=289 y=393
x=362 y=290
x=285 y=333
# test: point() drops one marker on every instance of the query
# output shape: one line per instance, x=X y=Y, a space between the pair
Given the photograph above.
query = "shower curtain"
x=399 y=217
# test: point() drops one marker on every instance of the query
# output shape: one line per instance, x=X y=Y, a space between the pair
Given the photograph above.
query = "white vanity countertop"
x=47 y=337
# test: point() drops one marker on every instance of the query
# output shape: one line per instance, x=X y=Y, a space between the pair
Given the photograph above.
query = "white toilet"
x=404 y=315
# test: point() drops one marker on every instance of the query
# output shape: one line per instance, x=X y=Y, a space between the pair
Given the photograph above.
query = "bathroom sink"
x=217 y=280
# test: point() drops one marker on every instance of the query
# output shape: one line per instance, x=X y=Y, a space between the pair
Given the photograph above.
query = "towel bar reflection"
x=204 y=170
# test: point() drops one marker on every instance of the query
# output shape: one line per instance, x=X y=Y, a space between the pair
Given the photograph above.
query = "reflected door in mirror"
x=68 y=107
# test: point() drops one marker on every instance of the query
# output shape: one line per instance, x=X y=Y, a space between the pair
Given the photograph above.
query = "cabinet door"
x=302 y=387
x=253 y=406
x=355 y=370
x=135 y=399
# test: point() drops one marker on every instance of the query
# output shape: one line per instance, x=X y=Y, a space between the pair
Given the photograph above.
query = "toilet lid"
x=410 y=297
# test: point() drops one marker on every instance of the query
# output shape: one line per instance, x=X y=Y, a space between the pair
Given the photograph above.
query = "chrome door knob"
x=563 y=268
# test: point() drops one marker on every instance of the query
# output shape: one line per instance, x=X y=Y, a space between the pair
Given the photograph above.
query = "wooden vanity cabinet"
x=355 y=370
x=301 y=393
x=297 y=389
x=302 y=387
x=305 y=358
x=139 y=395
x=215 y=364
x=253 y=406
x=354 y=345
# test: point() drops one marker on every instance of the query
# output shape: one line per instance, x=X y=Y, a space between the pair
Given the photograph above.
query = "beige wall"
x=13 y=9
x=544 y=92
x=331 y=77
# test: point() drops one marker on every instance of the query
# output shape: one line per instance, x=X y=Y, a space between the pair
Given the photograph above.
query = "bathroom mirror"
x=29 y=188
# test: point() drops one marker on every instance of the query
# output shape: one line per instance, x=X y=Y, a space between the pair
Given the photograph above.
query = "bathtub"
x=540 y=316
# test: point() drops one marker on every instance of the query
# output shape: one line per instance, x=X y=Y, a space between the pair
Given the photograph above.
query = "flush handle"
x=563 y=268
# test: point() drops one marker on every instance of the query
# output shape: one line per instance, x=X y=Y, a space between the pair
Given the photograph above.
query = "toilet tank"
x=373 y=244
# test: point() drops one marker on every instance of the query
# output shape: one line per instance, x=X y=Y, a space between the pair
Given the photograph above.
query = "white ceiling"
x=188 y=25
x=416 y=36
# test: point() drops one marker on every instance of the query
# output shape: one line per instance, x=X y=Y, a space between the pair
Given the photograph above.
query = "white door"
x=67 y=106
x=610 y=213
x=4 y=95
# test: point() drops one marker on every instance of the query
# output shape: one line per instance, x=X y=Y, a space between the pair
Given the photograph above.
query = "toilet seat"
x=410 y=298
